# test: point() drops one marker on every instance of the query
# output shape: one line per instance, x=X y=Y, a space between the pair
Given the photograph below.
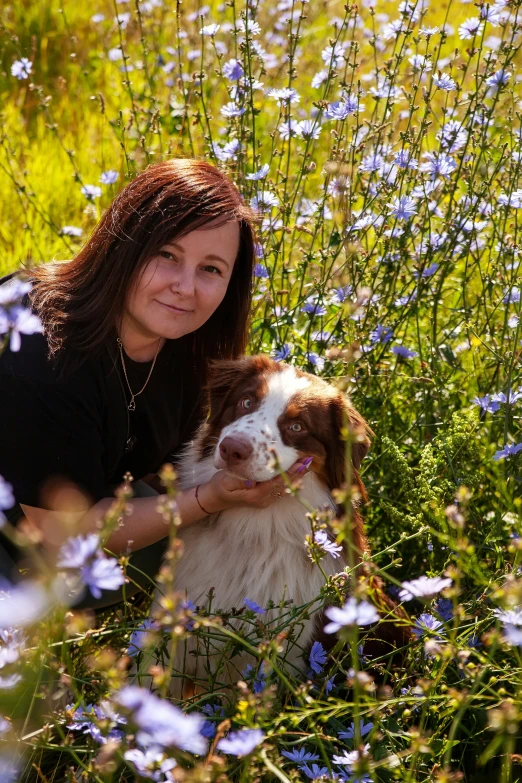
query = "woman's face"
x=184 y=283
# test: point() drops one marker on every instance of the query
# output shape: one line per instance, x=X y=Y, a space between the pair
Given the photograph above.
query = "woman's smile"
x=173 y=308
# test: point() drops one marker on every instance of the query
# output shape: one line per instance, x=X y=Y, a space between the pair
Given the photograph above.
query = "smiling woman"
x=115 y=383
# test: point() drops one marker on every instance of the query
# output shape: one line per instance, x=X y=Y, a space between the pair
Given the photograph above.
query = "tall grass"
x=389 y=262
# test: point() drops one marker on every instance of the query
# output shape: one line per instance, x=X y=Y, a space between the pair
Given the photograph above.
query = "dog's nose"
x=235 y=450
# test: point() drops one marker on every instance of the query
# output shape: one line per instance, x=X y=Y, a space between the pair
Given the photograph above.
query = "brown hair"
x=80 y=301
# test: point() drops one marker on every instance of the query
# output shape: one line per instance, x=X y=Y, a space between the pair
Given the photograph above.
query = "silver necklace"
x=132 y=404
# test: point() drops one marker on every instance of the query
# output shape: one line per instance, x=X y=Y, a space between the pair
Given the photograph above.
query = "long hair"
x=81 y=301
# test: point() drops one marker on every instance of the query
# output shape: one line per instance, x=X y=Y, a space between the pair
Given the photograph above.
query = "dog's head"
x=260 y=407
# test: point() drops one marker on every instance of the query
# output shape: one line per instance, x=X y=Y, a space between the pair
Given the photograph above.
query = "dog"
x=259 y=408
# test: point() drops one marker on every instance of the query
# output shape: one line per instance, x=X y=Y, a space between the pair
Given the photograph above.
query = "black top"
x=78 y=425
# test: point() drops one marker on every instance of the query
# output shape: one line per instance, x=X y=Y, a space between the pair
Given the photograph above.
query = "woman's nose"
x=183 y=282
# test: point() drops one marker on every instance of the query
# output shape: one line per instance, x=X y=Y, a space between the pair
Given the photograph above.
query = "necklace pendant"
x=132 y=405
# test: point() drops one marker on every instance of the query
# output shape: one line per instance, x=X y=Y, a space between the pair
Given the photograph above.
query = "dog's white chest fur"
x=259 y=554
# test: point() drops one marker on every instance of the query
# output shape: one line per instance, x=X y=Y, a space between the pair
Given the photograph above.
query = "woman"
x=115 y=382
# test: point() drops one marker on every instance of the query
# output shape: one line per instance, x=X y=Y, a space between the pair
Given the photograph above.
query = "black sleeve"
x=49 y=431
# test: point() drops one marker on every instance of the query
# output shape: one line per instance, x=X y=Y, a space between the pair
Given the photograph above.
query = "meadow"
x=381 y=145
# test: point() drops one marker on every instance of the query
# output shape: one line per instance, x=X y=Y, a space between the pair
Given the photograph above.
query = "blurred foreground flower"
x=241 y=743
x=354 y=612
x=22 y=604
x=160 y=723
x=423 y=587
x=96 y=571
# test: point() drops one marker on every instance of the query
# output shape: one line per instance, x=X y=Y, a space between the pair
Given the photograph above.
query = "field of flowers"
x=381 y=144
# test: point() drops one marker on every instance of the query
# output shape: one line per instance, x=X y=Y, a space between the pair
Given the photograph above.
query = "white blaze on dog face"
x=260 y=431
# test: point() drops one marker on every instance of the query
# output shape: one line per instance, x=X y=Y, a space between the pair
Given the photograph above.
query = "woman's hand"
x=226 y=491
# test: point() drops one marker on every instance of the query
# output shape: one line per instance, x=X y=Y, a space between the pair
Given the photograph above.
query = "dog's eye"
x=296 y=427
x=246 y=403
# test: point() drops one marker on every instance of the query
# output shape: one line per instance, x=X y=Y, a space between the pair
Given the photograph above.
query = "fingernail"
x=249 y=484
x=304 y=464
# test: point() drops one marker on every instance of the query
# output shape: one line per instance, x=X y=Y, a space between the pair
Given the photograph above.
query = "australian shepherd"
x=260 y=408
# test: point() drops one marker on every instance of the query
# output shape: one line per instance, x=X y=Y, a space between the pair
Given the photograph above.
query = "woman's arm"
x=145 y=525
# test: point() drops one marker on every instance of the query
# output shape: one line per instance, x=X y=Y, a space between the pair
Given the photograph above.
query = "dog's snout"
x=235 y=450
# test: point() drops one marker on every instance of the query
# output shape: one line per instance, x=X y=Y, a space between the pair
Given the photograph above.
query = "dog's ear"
x=227 y=374
x=343 y=414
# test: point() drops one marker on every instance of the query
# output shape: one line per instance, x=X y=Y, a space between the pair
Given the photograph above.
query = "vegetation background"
x=381 y=144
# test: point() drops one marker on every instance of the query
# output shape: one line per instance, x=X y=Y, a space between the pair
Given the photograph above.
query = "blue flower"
x=229 y=150
x=22 y=603
x=423 y=587
x=151 y=763
x=511 y=397
x=364 y=729
x=7 y=499
x=316 y=360
x=261 y=271
x=241 y=743
x=444 y=609
x=283 y=353
x=188 y=607
x=209 y=728
x=102 y=573
x=329 y=684
x=353 y=612
x=260 y=173
x=233 y=70
x=322 y=541
x=403 y=352
x=340 y=110
x=210 y=29
x=317 y=657
x=138 y=637
x=91 y=191
x=487 y=403
x=427 y=624
x=511 y=295
x=254 y=607
x=403 y=208
x=109 y=177
x=285 y=95
x=438 y=163
x=509 y=450
x=160 y=723
x=76 y=551
x=18 y=321
x=96 y=571
x=21 y=68
x=231 y=109
x=470 y=28
x=313 y=306
x=259 y=682
x=513 y=635
x=314 y=771
x=340 y=294
x=308 y=129
x=428 y=272
x=381 y=334
x=264 y=200
x=299 y=755
x=444 y=82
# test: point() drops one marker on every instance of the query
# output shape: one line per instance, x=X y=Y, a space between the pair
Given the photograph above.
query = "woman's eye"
x=214 y=268
x=166 y=254
x=246 y=402
x=296 y=427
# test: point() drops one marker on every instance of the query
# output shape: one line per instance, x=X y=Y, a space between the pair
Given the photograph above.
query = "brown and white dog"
x=257 y=407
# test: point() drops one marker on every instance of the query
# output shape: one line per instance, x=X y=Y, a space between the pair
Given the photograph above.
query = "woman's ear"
x=342 y=414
